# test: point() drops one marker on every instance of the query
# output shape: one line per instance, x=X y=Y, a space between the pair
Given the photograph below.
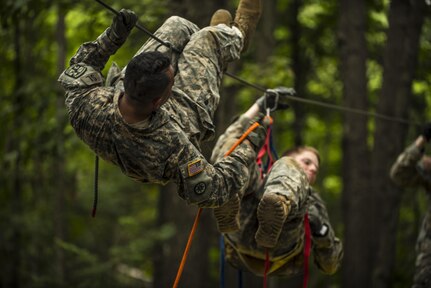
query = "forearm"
x=403 y=172
x=96 y=53
x=217 y=183
x=328 y=256
x=230 y=137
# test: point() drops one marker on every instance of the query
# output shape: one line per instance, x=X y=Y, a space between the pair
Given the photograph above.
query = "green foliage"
x=47 y=174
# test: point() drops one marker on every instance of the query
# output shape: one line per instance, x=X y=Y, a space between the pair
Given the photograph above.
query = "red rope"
x=307 y=248
x=267 y=265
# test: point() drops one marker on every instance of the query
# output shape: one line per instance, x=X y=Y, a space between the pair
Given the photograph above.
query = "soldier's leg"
x=227 y=216
x=207 y=54
x=202 y=63
x=177 y=32
x=285 y=193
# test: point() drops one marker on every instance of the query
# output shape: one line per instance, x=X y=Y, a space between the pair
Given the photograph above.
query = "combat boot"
x=221 y=16
x=246 y=18
x=227 y=216
x=271 y=214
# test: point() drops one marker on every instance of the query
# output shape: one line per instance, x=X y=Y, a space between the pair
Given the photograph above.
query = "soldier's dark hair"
x=146 y=78
x=299 y=149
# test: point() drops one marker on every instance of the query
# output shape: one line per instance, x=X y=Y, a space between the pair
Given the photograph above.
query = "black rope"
x=96 y=186
x=262 y=89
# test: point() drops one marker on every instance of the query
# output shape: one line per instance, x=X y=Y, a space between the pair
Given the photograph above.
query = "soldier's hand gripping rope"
x=121 y=26
x=275 y=99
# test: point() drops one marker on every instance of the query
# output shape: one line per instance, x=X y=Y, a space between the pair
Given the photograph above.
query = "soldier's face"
x=309 y=163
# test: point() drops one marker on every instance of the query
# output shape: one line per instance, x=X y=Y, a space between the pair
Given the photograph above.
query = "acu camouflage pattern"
x=286 y=178
x=407 y=171
x=166 y=146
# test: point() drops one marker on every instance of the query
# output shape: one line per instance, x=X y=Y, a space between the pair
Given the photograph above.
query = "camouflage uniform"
x=166 y=146
x=408 y=171
x=286 y=178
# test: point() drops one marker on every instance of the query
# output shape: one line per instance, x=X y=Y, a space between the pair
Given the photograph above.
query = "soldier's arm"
x=328 y=249
x=84 y=72
x=211 y=186
x=404 y=171
x=229 y=137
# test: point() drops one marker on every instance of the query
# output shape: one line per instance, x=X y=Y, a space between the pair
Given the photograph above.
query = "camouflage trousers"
x=200 y=58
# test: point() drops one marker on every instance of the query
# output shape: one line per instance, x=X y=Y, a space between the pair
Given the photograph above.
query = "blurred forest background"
x=374 y=56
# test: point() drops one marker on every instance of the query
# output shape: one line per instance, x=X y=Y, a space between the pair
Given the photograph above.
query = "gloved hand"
x=275 y=99
x=427 y=131
x=318 y=228
x=121 y=26
x=258 y=135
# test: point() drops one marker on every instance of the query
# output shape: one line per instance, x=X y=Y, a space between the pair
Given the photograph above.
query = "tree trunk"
x=356 y=268
x=400 y=61
x=59 y=159
x=13 y=274
x=168 y=255
x=299 y=67
x=263 y=39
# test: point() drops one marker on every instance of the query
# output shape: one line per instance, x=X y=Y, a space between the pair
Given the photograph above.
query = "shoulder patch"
x=200 y=188
x=195 y=167
x=75 y=71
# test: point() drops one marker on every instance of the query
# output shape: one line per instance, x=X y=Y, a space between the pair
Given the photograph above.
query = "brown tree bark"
x=356 y=268
x=12 y=275
x=400 y=61
x=299 y=68
x=59 y=159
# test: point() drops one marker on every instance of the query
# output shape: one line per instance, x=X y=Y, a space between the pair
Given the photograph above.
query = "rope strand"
x=262 y=89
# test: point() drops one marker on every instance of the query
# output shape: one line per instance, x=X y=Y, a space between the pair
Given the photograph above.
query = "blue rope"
x=240 y=278
x=272 y=147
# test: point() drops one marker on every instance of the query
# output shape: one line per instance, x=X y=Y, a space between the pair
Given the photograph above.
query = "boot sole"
x=271 y=215
x=227 y=216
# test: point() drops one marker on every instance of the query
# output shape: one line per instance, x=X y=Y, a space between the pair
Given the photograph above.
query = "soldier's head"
x=308 y=158
x=149 y=79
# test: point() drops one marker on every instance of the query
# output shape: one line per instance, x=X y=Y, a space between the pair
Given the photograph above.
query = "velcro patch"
x=75 y=71
x=92 y=78
x=195 y=167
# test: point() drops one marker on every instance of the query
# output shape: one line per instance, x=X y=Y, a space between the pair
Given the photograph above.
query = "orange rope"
x=186 y=251
x=195 y=224
x=251 y=128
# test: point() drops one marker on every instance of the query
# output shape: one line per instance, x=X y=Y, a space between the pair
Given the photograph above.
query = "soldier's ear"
x=157 y=102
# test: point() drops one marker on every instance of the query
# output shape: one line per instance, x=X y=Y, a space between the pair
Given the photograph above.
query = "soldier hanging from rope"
x=272 y=214
x=151 y=118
